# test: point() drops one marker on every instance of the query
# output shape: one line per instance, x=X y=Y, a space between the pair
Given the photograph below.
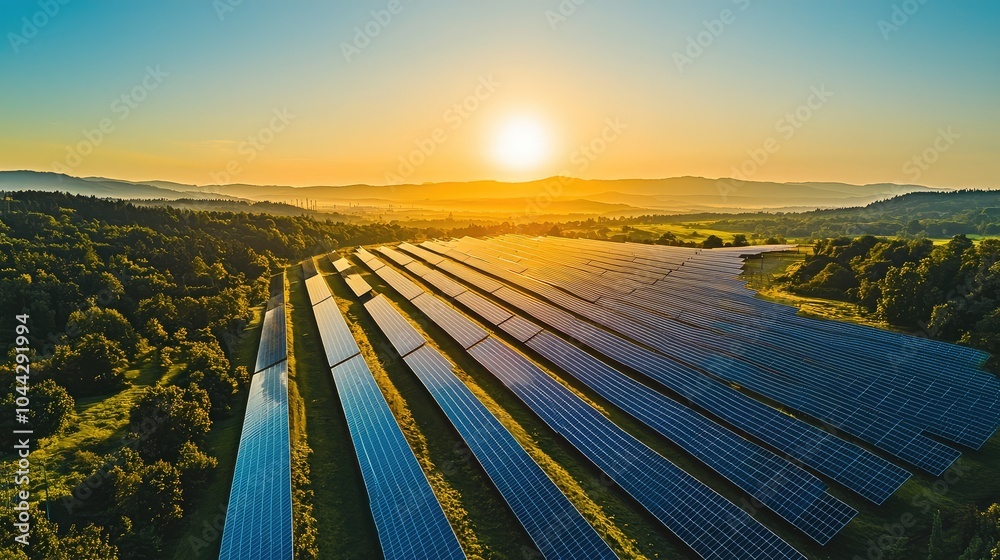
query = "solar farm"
x=732 y=425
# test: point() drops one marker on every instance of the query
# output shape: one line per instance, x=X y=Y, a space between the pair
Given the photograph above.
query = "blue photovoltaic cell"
x=259 y=515
x=708 y=523
x=556 y=527
x=273 y=347
x=788 y=490
x=401 y=334
x=338 y=341
x=858 y=469
x=408 y=517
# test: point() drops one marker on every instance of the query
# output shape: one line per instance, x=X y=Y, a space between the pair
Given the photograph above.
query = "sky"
x=411 y=91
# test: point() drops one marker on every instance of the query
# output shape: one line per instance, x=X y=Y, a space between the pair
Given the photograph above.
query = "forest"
x=111 y=287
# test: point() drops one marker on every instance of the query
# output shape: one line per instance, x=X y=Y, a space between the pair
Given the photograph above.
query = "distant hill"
x=558 y=196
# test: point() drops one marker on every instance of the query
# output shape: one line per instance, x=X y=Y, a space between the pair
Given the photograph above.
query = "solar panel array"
x=408 y=517
x=854 y=467
x=258 y=522
x=886 y=403
x=787 y=489
x=707 y=522
x=555 y=526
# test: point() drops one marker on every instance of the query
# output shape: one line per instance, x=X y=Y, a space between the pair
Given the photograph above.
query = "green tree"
x=107 y=322
x=93 y=364
x=712 y=242
x=164 y=418
x=196 y=468
x=936 y=549
x=51 y=408
x=740 y=240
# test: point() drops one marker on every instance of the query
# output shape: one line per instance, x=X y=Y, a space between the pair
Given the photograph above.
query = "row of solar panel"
x=555 y=526
x=900 y=438
x=909 y=399
x=258 y=522
x=709 y=524
x=409 y=519
x=775 y=482
x=848 y=464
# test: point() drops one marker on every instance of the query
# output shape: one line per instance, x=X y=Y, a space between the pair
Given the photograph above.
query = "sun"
x=521 y=144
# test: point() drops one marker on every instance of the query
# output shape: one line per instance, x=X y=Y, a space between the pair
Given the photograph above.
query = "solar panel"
x=401 y=334
x=645 y=328
x=779 y=485
x=556 y=527
x=364 y=254
x=372 y=262
x=341 y=264
x=519 y=328
x=855 y=467
x=408 y=517
x=491 y=312
x=258 y=522
x=357 y=284
x=400 y=283
x=422 y=254
x=446 y=285
x=318 y=289
x=417 y=269
x=395 y=256
x=708 y=523
x=338 y=341
x=273 y=346
x=458 y=326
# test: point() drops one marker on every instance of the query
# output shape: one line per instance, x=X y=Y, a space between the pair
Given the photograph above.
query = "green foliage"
x=107 y=322
x=196 y=469
x=937 y=549
x=165 y=418
x=950 y=291
x=92 y=365
x=51 y=408
x=712 y=242
x=46 y=542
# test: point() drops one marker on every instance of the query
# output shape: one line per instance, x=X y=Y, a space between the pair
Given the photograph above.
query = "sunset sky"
x=324 y=92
